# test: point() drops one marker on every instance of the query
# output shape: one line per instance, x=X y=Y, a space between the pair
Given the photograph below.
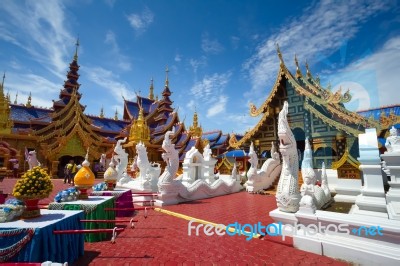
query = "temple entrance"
x=64 y=160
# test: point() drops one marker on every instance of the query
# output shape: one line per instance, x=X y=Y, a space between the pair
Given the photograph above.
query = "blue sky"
x=220 y=54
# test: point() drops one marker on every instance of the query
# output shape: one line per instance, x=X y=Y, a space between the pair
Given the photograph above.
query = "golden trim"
x=253 y=109
x=346 y=157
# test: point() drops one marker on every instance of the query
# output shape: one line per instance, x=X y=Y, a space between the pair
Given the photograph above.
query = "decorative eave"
x=330 y=121
x=51 y=150
x=234 y=143
x=225 y=162
x=346 y=158
x=253 y=109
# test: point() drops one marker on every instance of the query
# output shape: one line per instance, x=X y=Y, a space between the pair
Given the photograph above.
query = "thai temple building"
x=317 y=113
x=65 y=132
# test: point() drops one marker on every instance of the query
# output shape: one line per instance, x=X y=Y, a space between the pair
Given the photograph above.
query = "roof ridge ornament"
x=308 y=70
x=298 y=72
x=278 y=50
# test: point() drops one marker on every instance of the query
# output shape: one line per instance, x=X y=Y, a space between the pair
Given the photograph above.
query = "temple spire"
x=76 y=50
x=151 y=93
x=195 y=130
x=166 y=77
x=16 y=98
x=101 y=112
x=28 y=104
x=116 y=115
x=2 y=84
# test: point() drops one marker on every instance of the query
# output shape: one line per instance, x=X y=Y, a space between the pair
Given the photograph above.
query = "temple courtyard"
x=162 y=239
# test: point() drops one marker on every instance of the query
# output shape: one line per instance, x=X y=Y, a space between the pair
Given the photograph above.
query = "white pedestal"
x=372 y=196
x=347 y=190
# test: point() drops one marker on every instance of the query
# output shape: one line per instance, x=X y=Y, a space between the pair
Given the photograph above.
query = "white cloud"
x=196 y=63
x=39 y=28
x=321 y=30
x=140 y=22
x=209 y=93
x=122 y=61
x=208 y=89
x=217 y=107
x=106 y=79
x=210 y=46
x=42 y=90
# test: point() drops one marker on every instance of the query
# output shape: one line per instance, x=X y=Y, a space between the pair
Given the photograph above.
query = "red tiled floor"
x=163 y=239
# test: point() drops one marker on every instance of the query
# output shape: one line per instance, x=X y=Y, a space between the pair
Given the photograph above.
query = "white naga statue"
x=171 y=157
x=287 y=195
x=393 y=141
x=148 y=172
x=313 y=196
x=32 y=160
x=121 y=157
x=252 y=173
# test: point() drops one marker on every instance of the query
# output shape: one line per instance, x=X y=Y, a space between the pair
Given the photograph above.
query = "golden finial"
x=76 y=50
x=101 y=112
x=318 y=80
x=16 y=98
x=298 y=73
x=279 y=53
x=308 y=70
x=8 y=97
x=116 y=115
x=28 y=104
x=166 y=78
x=151 y=93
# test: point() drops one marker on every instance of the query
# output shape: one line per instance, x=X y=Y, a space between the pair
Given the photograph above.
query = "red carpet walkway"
x=163 y=239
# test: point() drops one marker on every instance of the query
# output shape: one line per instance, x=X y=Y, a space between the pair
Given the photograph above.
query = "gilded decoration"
x=139 y=130
x=387 y=121
x=74 y=147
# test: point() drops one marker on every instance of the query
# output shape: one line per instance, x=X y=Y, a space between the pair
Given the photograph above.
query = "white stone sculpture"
x=121 y=158
x=207 y=152
x=171 y=157
x=102 y=162
x=32 y=160
x=195 y=183
x=148 y=172
x=259 y=179
x=313 y=196
x=393 y=141
x=324 y=183
x=288 y=195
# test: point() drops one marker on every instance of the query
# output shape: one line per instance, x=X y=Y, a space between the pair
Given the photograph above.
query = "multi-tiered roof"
x=319 y=101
